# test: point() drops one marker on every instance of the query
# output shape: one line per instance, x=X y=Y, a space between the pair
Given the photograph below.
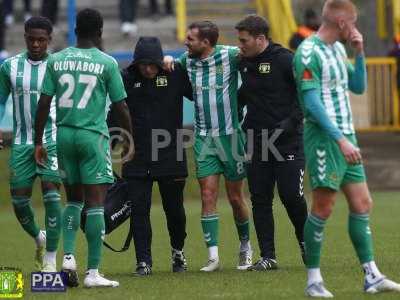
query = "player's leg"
x=68 y=164
x=171 y=190
x=95 y=171
x=208 y=168
x=326 y=167
x=139 y=194
x=261 y=181
x=53 y=223
x=290 y=180
x=50 y=183
x=71 y=223
x=360 y=204
x=323 y=200
x=231 y=152
x=210 y=220
x=22 y=174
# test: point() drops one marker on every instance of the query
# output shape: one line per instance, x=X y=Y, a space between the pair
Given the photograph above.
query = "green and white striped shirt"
x=215 y=82
x=326 y=68
x=22 y=78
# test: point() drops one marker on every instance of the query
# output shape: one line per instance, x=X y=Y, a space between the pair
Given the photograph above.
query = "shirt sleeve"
x=307 y=70
x=5 y=84
x=49 y=84
x=357 y=75
x=313 y=105
x=181 y=60
x=115 y=85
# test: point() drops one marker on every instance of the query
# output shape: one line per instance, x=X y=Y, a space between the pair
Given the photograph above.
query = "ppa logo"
x=48 y=282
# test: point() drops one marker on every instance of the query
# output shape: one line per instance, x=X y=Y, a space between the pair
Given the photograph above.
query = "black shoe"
x=142 y=269
x=264 y=264
x=178 y=261
x=70 y=278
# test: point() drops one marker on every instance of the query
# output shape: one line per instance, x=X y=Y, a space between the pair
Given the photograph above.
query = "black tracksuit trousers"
x=288 y=175
x=139 y=193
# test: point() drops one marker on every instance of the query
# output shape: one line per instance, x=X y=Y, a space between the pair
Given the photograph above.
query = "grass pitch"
x=340 y=267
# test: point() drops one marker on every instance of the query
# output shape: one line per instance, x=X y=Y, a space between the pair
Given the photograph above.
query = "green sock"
x=313 y=236
x=94 y=231
x=360 y=235
x=53 y=221
x=210 y=229
x=71 y=222
x=243 y=230
x=25 y=215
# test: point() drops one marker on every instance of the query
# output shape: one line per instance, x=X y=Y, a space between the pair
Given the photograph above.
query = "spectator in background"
x=395 y=52
x=154 y=8
x=3 y=52
x=311 y=24
x=50 y=10
x=9 y=11
x=128 y=9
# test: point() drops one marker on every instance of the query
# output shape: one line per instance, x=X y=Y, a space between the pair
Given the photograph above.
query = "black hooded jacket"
x=154 y=104
x=269 y=93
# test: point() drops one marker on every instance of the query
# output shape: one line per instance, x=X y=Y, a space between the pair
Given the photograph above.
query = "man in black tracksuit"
x=155 y=101
x=269 y=93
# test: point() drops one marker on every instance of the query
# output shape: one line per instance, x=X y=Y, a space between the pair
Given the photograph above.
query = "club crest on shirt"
x=264 y=68
x=161 y=81
x=219 y=69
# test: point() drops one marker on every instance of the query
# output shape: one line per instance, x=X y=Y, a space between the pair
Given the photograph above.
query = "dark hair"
x=39 y=23
x=89 y=23
x=254 y=25
x=207 y=30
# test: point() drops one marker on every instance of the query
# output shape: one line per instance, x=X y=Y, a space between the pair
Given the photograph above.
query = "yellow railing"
x=181 y=20
x=378 y=109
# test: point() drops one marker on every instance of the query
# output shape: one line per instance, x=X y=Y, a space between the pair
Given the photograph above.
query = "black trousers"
x=50 y=10
x=288 y=176
x=9 y=6
x=154 y=8
x=127 y=10
x=171 y=191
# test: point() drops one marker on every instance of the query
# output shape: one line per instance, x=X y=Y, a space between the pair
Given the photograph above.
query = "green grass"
x=339 y=264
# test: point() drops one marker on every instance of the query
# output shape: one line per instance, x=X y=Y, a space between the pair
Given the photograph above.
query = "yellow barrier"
x=378 y=109
x=181 y=20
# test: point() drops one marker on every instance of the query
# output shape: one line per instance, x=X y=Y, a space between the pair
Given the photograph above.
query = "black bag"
x=117 y=209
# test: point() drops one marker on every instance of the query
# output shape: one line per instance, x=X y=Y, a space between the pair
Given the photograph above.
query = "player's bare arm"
x=40 y=121
x=121 y=111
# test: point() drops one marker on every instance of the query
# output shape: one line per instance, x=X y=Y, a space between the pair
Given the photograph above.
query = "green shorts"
x=220 y=155
x=327 y=166
x=23 y=167
x=83 y=156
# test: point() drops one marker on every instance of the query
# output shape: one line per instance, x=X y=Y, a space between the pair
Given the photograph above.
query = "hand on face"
x=356 y=40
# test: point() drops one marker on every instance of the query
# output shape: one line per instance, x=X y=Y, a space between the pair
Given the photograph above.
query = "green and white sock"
x=71 y=223
x=52 y=204
x=209 y=225
x=313 y=236
x=25 y=215
x=360 y=235
x=94 y=230
x=243 y=229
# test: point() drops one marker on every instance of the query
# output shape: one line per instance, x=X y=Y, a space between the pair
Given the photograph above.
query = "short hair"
x=336 y=7
x=207 y=30
x=89 y=23
x=39 y=23
x=254 y=25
